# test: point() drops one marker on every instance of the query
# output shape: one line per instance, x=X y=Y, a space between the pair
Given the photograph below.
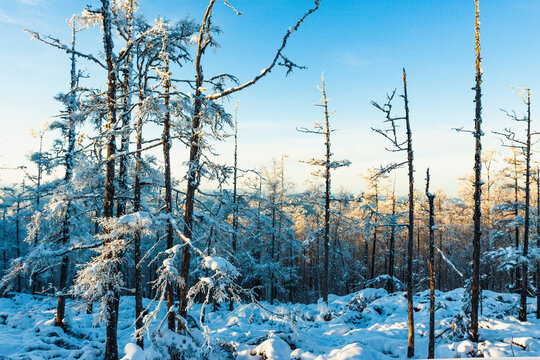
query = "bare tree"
x=524 y=146
x=69 y=160
x=327 y=164
x=432 y=227
x=200 y=100
x=399 y=145
x=477 y=216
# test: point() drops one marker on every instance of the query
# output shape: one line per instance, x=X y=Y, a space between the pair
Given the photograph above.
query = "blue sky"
x=360 y=45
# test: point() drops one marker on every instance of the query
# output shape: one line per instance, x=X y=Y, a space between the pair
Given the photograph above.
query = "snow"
x=368 y=325
x=464 y=348
x=133 y=352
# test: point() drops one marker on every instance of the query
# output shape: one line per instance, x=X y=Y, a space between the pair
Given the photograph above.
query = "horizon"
x=436 y=50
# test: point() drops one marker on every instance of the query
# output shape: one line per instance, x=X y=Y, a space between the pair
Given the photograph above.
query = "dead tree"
x=327 y=164
x=432 y=227
x=200 y=100
x=524 y=146
x=398 y=145
x=477 y=197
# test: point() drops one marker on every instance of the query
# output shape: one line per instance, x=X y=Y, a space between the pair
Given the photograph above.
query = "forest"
x=106 y=254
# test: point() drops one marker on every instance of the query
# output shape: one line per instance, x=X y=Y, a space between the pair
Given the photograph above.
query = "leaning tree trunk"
x=410 y=156
x=475 y=288
x=524 y=269
x=111 y=345
x=194 y=167
x=431 y=200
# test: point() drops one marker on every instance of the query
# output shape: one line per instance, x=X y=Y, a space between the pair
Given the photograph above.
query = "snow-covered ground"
x=369 y=324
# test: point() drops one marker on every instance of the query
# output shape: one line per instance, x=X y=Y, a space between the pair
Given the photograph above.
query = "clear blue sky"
x=360 y=45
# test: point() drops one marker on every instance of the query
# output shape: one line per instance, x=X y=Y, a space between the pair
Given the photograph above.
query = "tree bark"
x=69 y=159
x=326 y=195
x=392 y=244
x=475 y=289
x=525 y=271
x=111 y=346
x=431 y=200
x=410 y=252
x=538 y=242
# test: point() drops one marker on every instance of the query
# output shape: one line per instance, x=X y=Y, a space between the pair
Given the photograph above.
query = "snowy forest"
x=107 y=255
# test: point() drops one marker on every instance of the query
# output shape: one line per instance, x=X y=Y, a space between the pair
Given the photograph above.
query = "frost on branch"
x=101 y=278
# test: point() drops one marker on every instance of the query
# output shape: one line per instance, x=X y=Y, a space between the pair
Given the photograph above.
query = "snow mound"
x=133 y=352
x=273 y=349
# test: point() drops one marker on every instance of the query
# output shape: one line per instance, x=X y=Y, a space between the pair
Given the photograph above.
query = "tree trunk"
x=538 y=242
x=61 y=301
x=516 y=213
x=524 y=271
x=475 y=289
x=193 y=166
x=431 y=200
x=410 y=156
x=166 y=140
x=392 y=243
x=111 y=346
x=235 y=205
x=137 y=208
x=326 y=196
x=374 y=246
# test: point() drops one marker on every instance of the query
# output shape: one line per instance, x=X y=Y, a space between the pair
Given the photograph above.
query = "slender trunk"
x=235 y=205
x=537 y=241
x=431 y=199
x=125 y=116
x=194 y=167
x=392 y=242
x=439 y=261
x=235 y=180
x=525 y=271
x=516 y=213
x=475 y=289
x=69 y=159
x=111 y=346
x=327 y=196
x=166 y=140
x=136 y=208
x=17 y=239
x=373 y=247
x=272 y=250
x=34 y=279
x=410 y=156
